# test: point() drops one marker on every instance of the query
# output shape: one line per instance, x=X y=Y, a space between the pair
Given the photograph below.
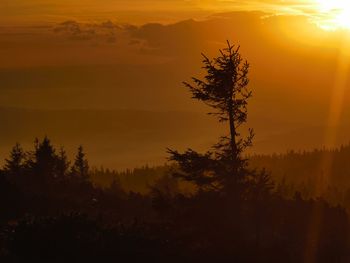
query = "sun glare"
x=336 y=13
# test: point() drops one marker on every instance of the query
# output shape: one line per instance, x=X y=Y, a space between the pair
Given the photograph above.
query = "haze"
x=107 y=74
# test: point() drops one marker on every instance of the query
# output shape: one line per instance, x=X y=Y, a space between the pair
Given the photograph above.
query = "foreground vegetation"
x=56 y=217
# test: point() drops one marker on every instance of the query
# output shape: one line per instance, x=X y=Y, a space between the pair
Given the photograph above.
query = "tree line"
x=45 y=162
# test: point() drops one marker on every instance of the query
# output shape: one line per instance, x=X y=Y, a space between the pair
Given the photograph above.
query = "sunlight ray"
x=336 y=108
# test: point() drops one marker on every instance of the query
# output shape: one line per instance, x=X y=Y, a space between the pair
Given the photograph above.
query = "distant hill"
x=121 y=139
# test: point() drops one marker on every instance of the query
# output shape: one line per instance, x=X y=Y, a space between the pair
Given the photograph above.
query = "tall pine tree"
x=224 y=89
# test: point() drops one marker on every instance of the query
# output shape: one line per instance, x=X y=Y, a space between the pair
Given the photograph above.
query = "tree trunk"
x=232 y=132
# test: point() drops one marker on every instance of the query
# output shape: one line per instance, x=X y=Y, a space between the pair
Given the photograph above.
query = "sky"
x=78 y=59
x=139 y=11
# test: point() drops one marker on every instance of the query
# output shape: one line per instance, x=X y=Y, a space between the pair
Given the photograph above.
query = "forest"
x=222 y=205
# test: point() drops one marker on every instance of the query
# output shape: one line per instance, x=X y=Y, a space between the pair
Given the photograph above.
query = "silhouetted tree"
x=44 y=162
x=15 y=163
x=62 y=164
x=81 y=166
x=225 y=89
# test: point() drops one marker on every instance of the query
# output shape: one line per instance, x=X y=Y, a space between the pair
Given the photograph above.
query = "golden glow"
x=337 y=13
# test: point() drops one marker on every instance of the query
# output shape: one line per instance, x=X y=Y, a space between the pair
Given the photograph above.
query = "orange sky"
x=24 y=11
x=90 y=55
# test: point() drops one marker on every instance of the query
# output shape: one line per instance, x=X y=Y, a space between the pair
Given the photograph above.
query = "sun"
x=336 y=13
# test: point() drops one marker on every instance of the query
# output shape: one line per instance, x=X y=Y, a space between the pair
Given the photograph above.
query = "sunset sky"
x=34 y=11
x=133 y=55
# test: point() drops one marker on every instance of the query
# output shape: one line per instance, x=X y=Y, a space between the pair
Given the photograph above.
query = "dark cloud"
x=105 y=31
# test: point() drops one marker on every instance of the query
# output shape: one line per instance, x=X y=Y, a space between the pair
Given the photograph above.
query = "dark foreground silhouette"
x=66 y=220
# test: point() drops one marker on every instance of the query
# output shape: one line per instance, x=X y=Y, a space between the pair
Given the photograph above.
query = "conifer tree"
x=62 y=164
x=15 y=163
x=81 y=166
x=224 y=89
x=44 y=162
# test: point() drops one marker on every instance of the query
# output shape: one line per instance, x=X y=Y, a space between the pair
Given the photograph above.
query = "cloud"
x=74 y=30
x=106 y=31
